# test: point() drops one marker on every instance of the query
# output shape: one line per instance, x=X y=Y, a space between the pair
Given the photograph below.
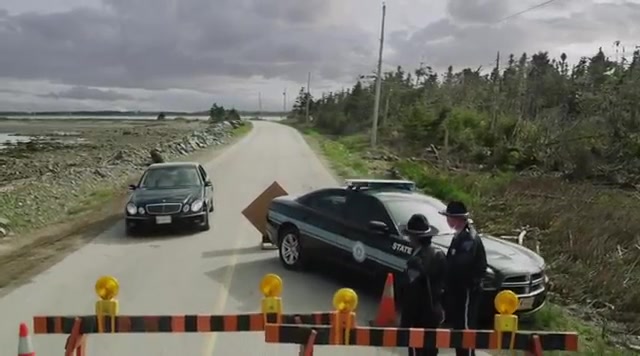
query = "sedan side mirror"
x=133 y=187
x=208 y=184
x=378 y=226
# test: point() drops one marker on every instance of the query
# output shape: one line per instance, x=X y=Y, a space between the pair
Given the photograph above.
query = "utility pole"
x=376 y=104
x=496 y=91
x=284 y=101
x=386 y=108
x=259 y=104
x=308 y=96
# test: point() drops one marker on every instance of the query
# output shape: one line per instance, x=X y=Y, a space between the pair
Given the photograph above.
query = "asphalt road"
x=214 y=272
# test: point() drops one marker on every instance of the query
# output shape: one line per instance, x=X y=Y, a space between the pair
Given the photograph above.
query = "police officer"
x=466 y=265
x=422 y=302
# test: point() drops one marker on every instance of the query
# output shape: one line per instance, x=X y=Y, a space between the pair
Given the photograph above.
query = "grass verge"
x=348 y=156
x=96 y=211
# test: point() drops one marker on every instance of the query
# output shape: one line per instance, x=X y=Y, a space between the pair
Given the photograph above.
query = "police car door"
x=374 y=251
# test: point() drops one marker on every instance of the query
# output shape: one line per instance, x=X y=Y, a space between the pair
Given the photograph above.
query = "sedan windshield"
x=171 y=177
x=401 y=211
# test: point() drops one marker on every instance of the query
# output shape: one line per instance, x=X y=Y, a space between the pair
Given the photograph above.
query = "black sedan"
x=178 y=193
x=360 y=226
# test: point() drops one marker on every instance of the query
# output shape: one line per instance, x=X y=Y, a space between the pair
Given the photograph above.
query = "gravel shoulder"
x=69 y=182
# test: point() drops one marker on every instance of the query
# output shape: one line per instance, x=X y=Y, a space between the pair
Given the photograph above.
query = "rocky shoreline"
x=45 y=180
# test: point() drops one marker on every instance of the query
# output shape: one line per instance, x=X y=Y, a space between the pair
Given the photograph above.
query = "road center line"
x=223 y=296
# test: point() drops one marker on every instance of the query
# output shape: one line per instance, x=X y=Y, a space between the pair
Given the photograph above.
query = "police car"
x=360 y=226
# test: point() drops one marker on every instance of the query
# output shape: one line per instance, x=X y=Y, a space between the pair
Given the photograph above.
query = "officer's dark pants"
x=462 y=313
x=412 y=318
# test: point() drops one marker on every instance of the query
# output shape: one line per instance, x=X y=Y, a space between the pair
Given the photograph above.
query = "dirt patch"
x=98 y=203
x=49 y=246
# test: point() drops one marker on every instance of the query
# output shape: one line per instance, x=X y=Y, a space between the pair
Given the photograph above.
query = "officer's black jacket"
x=426 y=269
x=466 y=260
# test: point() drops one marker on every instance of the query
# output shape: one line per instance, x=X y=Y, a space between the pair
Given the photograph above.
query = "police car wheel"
x=290 y=249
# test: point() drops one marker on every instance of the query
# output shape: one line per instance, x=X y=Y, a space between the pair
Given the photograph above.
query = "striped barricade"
x=420 y=338
x=189 y=323
x=336 y=328
x=343 y=331
x=107 y=319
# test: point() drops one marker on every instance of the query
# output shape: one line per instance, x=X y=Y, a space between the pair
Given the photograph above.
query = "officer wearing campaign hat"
x=422 y=301
x=466 y=265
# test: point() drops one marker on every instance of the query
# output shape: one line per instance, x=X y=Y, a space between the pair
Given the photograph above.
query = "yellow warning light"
x=107 y=287
x=506 y=302
x=271 y=285
x=345 y=300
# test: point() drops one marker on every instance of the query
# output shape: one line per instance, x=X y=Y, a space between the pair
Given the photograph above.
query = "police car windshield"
x=401 y=211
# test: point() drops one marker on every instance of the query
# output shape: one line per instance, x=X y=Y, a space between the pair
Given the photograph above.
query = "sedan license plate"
x=163 y=219
x=526 y=303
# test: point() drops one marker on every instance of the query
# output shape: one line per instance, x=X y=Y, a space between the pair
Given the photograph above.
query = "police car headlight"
x=545 y=276
x=197 y=205
x=489 y=280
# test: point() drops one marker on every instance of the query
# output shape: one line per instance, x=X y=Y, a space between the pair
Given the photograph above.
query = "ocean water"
x=98 y=117
x=10 y=138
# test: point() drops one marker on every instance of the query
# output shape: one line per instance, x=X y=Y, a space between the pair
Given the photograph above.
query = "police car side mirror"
x=378 y=226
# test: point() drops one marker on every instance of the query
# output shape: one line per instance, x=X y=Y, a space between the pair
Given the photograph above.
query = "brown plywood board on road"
x=256 y=212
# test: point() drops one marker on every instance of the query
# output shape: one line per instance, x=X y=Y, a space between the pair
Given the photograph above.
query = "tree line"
x=218 y=113
x=580 y=120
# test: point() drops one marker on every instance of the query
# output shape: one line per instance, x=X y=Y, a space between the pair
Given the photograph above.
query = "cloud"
x=478 y=11
x=179 y=41
x=86 y=93
x=186 y=54
x=473 y=32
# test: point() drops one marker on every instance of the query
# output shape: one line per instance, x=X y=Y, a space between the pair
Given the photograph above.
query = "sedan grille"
x=524 y=284
x=163 y=209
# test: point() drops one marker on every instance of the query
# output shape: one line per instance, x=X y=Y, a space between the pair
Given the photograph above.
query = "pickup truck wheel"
x=290 y=249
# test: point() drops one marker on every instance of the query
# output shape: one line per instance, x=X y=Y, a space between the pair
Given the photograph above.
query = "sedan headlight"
x=197 y=205
x=132 y=209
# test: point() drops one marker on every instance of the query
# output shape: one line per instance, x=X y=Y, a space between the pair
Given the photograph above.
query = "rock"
x=4 y=227
x=100 y=173
x=4 y=222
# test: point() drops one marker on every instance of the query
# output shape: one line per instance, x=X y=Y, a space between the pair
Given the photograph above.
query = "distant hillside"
x=128 y=113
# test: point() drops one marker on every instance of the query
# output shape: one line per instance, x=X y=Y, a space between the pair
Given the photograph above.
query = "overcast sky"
x=187 y=54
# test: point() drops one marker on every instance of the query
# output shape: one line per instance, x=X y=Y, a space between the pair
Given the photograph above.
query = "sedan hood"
x=504 y=256
x=155 y=196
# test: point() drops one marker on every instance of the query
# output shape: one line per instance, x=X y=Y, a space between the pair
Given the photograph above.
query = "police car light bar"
x=357 y=184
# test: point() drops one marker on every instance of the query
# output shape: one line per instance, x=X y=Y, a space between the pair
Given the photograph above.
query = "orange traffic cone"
x=386 y=316
x=25 y=347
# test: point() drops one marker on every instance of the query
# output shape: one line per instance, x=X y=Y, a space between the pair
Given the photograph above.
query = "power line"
x=534 y=7
x=516 y=14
